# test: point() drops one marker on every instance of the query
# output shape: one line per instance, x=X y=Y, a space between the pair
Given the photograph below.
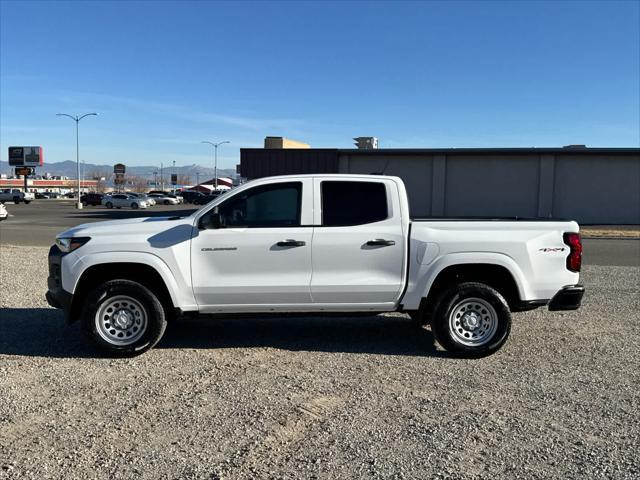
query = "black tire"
x=452 y=335
x=156 y=322
x=134 y=205
x=16 y=200
x=27 y=202
x=108 y=205
x=167 y=202
x=84 y=204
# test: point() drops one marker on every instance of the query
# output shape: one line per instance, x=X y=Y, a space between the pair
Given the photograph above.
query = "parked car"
x=53 y=194
x=143 y=196
x=119 y=200
x=70 y=195
x=177 y=196
x=16 y=196
x=189 y=195
x=41 y=195
x=3 y=212
x=91 y=198
x=315 y=244
x=203 y=199
x=164 y=198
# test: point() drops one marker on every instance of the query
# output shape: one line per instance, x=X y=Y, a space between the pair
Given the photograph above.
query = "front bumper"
x=568 y=298
x=56 y=296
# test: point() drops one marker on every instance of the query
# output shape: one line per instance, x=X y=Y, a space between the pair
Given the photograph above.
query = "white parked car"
x=3 y=212
x=143 y=196
x=164 y=199
x=119 y=200
x=16 y=196
x=314 y=244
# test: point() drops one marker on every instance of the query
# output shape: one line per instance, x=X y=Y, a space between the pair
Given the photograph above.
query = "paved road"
x=38 y=223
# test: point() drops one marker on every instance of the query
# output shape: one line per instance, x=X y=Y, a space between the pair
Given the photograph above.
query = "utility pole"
x=161 y=177
x=173 y=186
x=215 y=159
x=77 y=120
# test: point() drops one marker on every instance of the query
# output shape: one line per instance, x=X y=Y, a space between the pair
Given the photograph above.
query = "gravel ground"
x=320 y=398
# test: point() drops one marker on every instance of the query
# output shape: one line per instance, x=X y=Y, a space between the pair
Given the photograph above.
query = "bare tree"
x=184 y=179
x=101 y=177
x=138 y=184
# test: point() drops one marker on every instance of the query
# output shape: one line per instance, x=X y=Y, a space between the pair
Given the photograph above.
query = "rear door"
x=358 y=245
x=259 y=258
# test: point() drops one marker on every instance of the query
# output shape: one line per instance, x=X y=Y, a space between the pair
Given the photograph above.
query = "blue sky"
x=165 y=75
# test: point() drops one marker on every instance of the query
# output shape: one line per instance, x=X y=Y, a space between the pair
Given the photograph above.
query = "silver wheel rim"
x=473 y=322
x=121 y=320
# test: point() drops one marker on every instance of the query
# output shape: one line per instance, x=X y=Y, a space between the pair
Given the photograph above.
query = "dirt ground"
x=320 y=397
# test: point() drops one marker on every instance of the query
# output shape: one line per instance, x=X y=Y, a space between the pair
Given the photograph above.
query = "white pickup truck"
x=16 y=196
x=314 y=244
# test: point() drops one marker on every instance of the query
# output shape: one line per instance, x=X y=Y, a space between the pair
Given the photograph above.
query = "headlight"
x=67 y=245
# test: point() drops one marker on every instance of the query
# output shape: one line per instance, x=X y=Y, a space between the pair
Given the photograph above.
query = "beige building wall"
x=592 y=189
x=281 y=142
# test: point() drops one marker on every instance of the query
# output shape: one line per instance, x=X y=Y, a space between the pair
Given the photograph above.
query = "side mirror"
x=210 y=221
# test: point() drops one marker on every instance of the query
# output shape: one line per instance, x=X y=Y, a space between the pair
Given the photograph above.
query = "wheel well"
x=496 y=276
x=137 y=272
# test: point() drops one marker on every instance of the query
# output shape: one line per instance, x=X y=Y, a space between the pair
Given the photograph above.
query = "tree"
x=138 y=184
x=184 y=179
x=101 y=177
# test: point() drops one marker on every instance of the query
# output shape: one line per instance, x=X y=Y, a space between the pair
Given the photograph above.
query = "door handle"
x=291 y=243
x=380 y=242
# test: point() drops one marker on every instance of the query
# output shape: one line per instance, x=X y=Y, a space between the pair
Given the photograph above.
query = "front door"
x=256 y=256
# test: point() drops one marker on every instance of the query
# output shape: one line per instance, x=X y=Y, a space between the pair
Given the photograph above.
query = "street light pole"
x=77 y=120
x=215 y=159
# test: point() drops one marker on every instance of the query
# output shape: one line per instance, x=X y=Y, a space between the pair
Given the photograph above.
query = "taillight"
x=574 y=260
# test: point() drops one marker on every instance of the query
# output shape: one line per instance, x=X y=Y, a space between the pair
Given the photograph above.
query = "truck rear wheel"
x=123 y=317
x=471 y=320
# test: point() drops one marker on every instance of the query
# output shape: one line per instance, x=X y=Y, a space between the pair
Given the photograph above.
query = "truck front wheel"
x=471 y=320
x=123 y=317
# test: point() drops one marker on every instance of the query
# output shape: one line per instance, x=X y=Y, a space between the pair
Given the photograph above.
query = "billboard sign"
x=119 y=168
x=26 y=156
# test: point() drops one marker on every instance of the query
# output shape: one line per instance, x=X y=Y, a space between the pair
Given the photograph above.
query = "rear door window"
x=353 y=203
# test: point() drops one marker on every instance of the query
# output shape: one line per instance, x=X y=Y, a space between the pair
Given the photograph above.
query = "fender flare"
x=484 y=258
x=143 y=258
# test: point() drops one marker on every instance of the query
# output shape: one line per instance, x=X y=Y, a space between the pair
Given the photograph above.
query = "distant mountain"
x=68 y=169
